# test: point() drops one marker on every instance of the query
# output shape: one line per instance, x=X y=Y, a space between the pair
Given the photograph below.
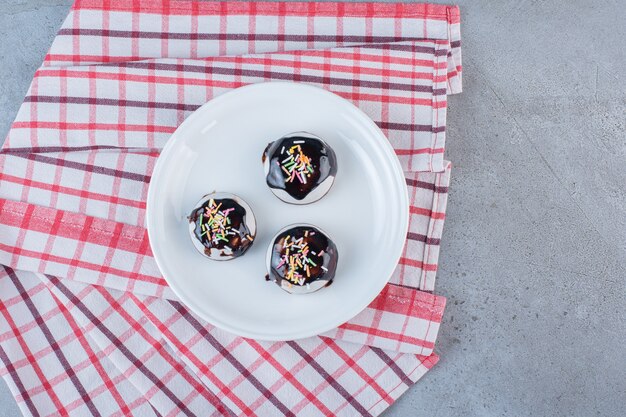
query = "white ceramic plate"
x=218 y=148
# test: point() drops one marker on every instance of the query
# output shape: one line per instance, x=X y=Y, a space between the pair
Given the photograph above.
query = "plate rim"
x=159 y=167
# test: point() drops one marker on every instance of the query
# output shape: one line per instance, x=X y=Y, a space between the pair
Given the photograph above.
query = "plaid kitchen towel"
x=74 y=173
x=77 y=349
x=397 y=54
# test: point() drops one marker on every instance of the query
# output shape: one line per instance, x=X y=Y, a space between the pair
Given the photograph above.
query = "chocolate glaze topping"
x=302 y=255
x=298 y=164
x=221 y=224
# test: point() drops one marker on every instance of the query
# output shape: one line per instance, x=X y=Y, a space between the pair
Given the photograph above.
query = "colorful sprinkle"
x=296 y=164
x=216 y=223
x=297 y=259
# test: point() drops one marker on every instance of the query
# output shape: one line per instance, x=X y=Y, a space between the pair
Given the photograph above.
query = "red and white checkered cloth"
x=87 y=324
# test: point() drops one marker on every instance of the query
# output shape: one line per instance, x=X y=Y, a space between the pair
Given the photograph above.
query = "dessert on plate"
x=299 y=168
x=301 y=259
x=222 y=226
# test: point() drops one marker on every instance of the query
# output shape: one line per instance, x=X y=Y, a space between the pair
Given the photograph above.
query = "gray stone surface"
x=534 y=251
